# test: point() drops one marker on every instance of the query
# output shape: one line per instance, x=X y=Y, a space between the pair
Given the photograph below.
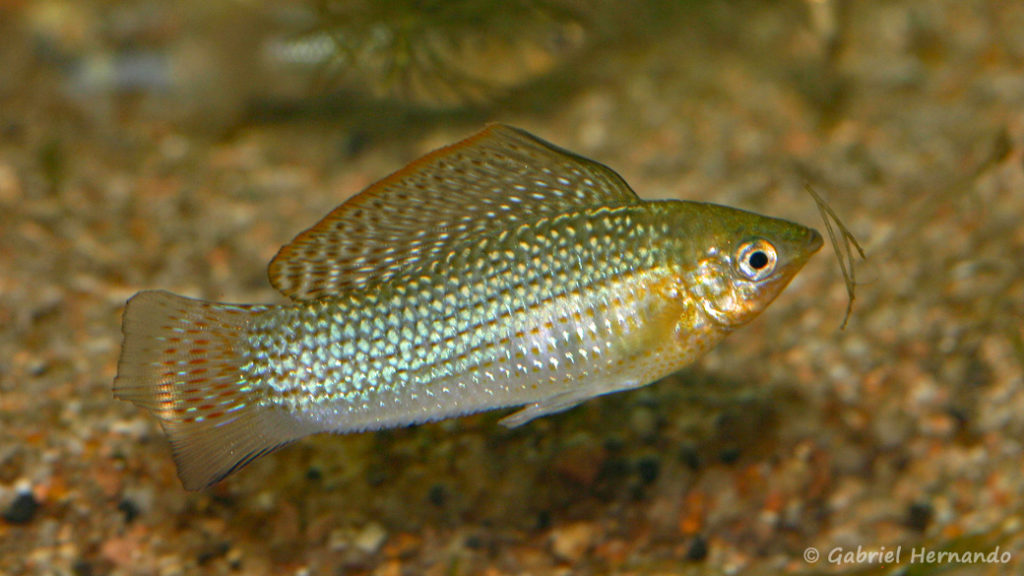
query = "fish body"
x=498 y=272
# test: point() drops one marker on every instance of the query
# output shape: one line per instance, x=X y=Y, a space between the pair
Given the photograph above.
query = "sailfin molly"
x=499 y=272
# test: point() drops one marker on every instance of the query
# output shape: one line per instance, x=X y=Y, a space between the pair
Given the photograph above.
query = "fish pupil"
x=758 y=260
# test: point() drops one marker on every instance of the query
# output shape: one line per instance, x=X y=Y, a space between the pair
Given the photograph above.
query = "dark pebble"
x=614 y=475
x=22 y=509
x=354 y=144
x=543 y=520
x=474 y=542
x=130 y=510
x=223 y=499
x=39 y=369
x=614 y=444
x=211 y=551
x=688 y=455
x=614 y=469
x=961 y=416
x=437 y=495
x=729 y=456
x=698 y=549
x=648 y=468
x=82 y=568
x=919 y=515
x=314 y=474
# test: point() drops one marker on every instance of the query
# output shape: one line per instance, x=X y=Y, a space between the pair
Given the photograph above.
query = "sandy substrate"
x=901 y=434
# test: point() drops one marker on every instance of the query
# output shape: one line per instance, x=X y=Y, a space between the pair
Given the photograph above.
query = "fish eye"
x=756 y=259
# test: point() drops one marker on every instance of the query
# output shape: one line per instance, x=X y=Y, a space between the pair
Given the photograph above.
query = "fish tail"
x=182 y=360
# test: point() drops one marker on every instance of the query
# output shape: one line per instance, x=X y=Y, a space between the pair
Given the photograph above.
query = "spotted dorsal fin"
x=496 y=178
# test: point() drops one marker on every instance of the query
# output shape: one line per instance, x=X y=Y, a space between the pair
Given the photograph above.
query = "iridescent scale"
x=553 y=308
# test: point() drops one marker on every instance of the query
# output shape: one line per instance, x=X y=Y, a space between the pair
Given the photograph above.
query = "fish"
x=498 y=272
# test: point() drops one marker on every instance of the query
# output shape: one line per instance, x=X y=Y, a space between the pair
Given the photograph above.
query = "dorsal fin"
x=499 y=176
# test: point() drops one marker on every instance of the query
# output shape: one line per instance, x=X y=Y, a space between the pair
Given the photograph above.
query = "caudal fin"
x=182 y=361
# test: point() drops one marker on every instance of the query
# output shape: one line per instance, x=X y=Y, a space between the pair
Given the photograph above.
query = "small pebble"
x=919 y=516
x=234 y=558
x=688 y=455
x=438 y=495
x=644 y=422
x=314 y=474
x=474 y=542
x=729 y=456
x=211 y=551
x=614 y=444
x=82 y=568
x=698 y=550
x=129 y=508
x=648 y=468
x=370 y=538
x=581 y=464
x=22 y=509
x=543 y=520
x=570 y=543
x=10 y=185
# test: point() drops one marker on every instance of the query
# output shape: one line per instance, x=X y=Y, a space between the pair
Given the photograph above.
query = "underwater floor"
x=148 y=148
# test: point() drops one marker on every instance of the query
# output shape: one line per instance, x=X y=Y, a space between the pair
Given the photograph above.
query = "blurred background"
x=178 y=145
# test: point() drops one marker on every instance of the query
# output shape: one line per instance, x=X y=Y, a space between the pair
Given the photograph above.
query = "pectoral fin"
x=564 y=401
x=554 y=405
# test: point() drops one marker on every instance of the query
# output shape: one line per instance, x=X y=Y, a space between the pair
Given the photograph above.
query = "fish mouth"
x=802 y=252
x=814 y=242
